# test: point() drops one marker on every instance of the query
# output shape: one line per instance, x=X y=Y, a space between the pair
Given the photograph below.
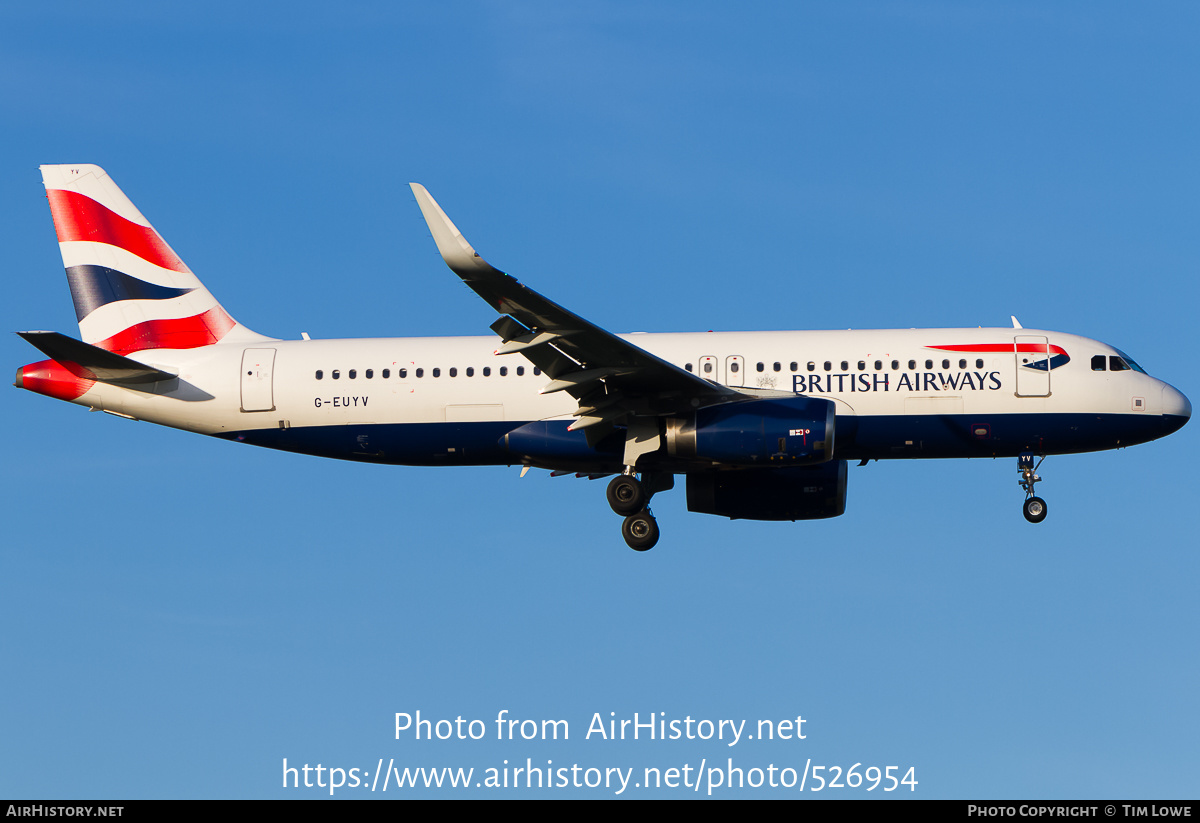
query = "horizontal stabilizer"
x=91 y=362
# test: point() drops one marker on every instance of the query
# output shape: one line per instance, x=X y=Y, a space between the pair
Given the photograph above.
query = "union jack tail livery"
x=131 y=291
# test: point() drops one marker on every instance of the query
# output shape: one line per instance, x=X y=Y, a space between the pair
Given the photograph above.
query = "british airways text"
x=914 y=382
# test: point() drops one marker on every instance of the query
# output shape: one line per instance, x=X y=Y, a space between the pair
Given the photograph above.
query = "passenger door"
x=257 y=392
x=1033 y=365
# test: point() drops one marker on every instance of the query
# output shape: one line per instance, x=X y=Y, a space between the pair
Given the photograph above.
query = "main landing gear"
x=630 y=498
x=625 y=494
x=640 y=531
x=1035 y=507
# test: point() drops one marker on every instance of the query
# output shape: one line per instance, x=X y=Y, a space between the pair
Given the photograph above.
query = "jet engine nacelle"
x=793 y=493
x=784 y=431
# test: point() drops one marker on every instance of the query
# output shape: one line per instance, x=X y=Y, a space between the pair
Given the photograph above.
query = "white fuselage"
x=906 y=377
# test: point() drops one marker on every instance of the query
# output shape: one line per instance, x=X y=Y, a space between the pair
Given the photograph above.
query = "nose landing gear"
x=1035 y=507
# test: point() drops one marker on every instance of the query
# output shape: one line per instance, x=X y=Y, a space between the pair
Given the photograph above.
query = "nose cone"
x=1176 y=409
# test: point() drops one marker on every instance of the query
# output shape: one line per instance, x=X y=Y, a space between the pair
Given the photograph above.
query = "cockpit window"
x=1131 y=363
x=1117 y=364
x=1098 y=362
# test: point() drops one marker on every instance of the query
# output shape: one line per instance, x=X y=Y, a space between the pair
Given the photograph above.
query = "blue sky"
x=180 y=614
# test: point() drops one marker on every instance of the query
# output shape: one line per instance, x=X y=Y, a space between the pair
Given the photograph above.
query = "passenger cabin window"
x=878 y=365
x=828 y=366
x=812 y=366
x=353 y=373
x=487 y=371
x=845 y=365
x=504 y=371
x=912 y=364
x=862 y=365
x=437 y=372
x=369 y=373
x=979 y=363
x=321 y=374
x=1098 y=362
x=895 y=365
x=520 y=371
x=386 y=373
x=929 y=364
x=687 y=366
x=336 y=374
x=776 y=367
x=760 y=367
x=402 y=373
x=945 y=364
x=420 y=372
x=962 y=364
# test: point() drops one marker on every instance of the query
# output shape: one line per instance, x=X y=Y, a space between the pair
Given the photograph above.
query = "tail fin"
x=131 y=291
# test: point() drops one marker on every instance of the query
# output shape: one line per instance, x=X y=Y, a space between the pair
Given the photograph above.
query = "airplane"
x=761 y=425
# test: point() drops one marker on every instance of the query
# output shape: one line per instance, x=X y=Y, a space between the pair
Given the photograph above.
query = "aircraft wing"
x=610 y=377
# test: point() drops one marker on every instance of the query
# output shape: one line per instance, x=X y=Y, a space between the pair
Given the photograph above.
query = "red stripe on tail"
x=177 y=333
x=77 y=217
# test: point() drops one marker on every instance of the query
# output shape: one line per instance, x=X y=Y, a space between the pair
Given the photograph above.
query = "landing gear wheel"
x=1035 y=509
x=640 y=531
x=626 y=495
